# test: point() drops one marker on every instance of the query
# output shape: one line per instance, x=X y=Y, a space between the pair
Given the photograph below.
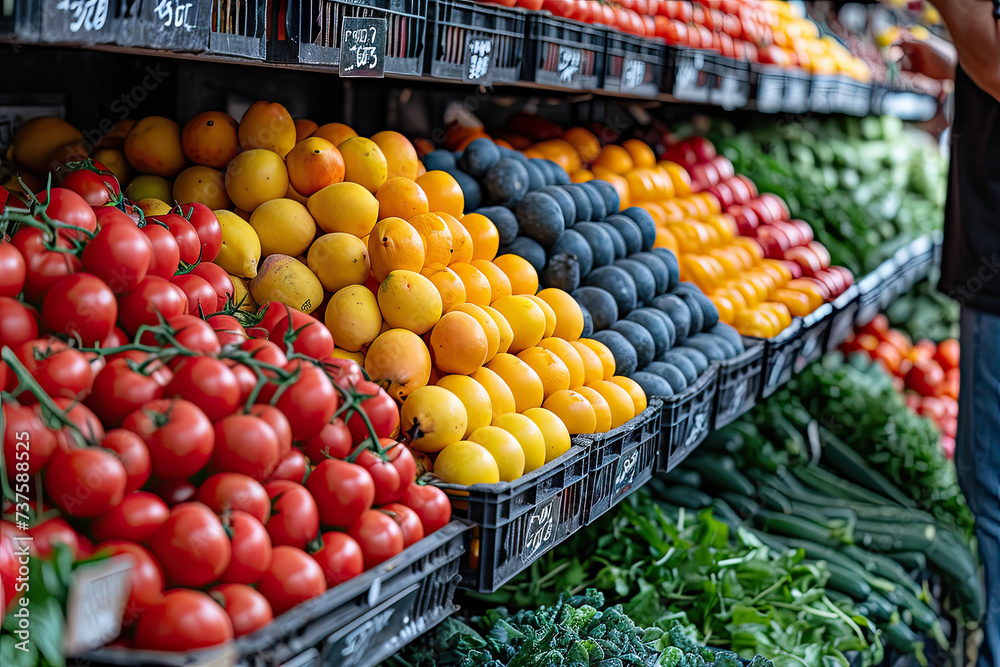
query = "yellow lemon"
x=151 y=206
x=475 y=398
x=504 y=448
x=37 y=138
x=353 y=317
x=254 y=177
x=284 y=226
x=523 y=381
x=344 y=207
x=554 y=431
x=528 y=436
x=286 y=279
x=575 y=411
x=364 y=163
x=436 y=237
x=409 y=301
x=466 y=463
x=339 y=260
x=448 y=283
x=526 y=319
x=240 y=251
x=593 y=369
x=153 y=146
x=268 y=126
x=501 y=397
x=433 y=418
x=394 y=244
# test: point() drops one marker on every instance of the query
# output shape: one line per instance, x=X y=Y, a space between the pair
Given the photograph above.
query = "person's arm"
x=976 y=35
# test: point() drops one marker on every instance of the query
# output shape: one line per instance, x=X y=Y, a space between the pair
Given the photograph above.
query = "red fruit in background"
x=932 y=408
x=430 y=503
x=951 y=383
x=166 y=253
x=343 y=491
x=201 y=297
x=741 y=193
x=834 y=280
x=704 y=149
x=12 y=270
x=900 y=340
x=889 y=356
x=188 y=241
x=312 y=338
x=18 y=323
x=722 y=193
x=247 y=609
x=924 y=349
x=220 y=281
x=821 y=252
x=294 y=516
x=340 y=558
x=251 y=546
x=293 y=578
x=56 y=531
x=206 y=224
x=186 y=560
x=949 y=427
x=746 y=219
x=878 y=326
x=681 y=153
x=183 y=620
x=80 y=306
x=773 y=242
x=913 y=400
x=408 y=522
x=146 y=577
x=174 y=491
x=704 y=174
x=230 y=491
x=926 y=378
x=776 y=205
x=805 y=231
x=137 y=517
x=795 y=237
x=947 y=354
x=85 y=482
x=724 y=167
x=333 y=441
x=43 y=267
x=179 y=436
x=88 y=185
x=245 y=444
x=948 y=446
x=22 y=425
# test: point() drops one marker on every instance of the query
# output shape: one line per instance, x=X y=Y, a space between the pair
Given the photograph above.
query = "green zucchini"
x=725 y=513
x=745 y=507
x=773 y=500
x=903 y=639
x=844 y=581
x=725 y=440
x=924 y=617
x=894 y=536
x=830 y=484
x=683 y=476
x=910 y=560
x=882 y=566
x=796 y=526
x=842 y=458
x=684 y=496
x=719 y=472
x=879 y=608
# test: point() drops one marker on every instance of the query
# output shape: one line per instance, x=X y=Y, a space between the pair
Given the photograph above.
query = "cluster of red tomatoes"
x=926 y=371
x=220 y=450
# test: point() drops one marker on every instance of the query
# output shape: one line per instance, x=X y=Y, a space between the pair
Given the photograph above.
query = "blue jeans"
x=977 y=456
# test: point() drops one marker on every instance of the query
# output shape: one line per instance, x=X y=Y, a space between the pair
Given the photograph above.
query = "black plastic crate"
x=853 y=97
x=562 y=53
x=20 y=20
x=622 y=460
x=739 y=384
x=79 y=23
x=732 y=77
x=239 y=28
x=356 y=624
x=823 y=93
x=798 y=85
x=312 y=31
x=633 y=65
x=687 y=419
x=905 y=105
x=476 y=43
x=893 y=280
x=780 y=353
x=815 y=331
x=517 y=522
x=845 y=311
x=170 y=25
x=689 y=77
x=915 y=260
x=767 y=83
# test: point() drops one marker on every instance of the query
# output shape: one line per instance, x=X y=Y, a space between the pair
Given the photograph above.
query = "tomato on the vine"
x=430 y=503
x=136 y=517
x=44 y=267
x=69 y=208
x=153 y=298
x=206 y=224
x=408 y=522
x=166 y=253
x=247 y=609
x=251 y=546
x=183 y=620
x=401 y=458
x=247 y=445
x=202 y=299
x=81 y=305
x=55 y=531
x=333 y=441
x=340 y=557
x=227 y=329
x=86 y=481
x=192 y=562
x=188 y=241
x=192 y=333
x=309 y=402
x=208 y=383
x=291 y=468
x=118 y=390
x=108 y=215
x=293 y=578
x=311 y=337
x=388 y=485
x=120 y=255
x=277 y=420
x=26 y=440
x=60 y=372
x=230 y=491
x=173 y=491
x=17 y=322
x=12 y=269
x=265 y=352
x=345 y=373
x=379 y=537
x=131 y=450
x=88 y=185
x=244 y=377
x=343 y=491
x=294 y=516
x=146 y=577
x=382 y=411
x=179 y=436
x=220 y=281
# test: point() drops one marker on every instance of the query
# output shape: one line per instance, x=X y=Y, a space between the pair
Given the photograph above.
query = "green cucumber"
x=895 y=537
x=879 y=608
x=720 y=472
x=839 y=456
x=827 y=482
x=773 y=500
x=795 y=526
x=684 y=496
x=683 y=476
x=910 y=560
x=844 y=581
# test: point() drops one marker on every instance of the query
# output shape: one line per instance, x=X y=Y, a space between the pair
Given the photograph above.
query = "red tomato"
x=61 y=372
x=12 y=269
x=407 y=520
x=173 y=491
x=208 y=228
x=69 y=208
x=131 y=450
x=947 y=354
x=88 y=185
x=202 y=299
x=28 y=444
x=154 y=296
x=193 y=334
x=271 y=313
x=188 y=241
x=345 y=373
x=179 y=436
x=118 y=390
x=277 y=421
x=120 y=255
x=293 y=578
x=379 y=537
x=220 y=281
x=247 y=445
x=388 y=485
x=192 y=562
x=56 y=531
x=244 y=376
x=340 y=557
x=248 y=610
x=208 y=383
x=382 y=411
x=146 y=576
x=533 y=5
x=85 y=482
x=230 y=491
x=166 y=253
x=251 y=549
x=333 y=441
x=312 y=338
x=227 y=329
x=84 y=419
x=402 y=460
x=137 y=517
x=294 y=519
x=80 y=305
x=431 y=505
x=343 y=491
x=108 y=215
x=292 y=468
x=17 y=323
x=44 y=268
x=265 y=352
x=183 y=620
x=309 y=402
x=926 y=378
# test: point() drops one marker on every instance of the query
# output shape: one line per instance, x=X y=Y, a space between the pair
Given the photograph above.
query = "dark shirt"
x=970 y=263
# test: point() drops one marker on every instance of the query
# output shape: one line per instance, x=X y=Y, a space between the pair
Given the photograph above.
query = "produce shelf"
x=561 y=53
x=358 y=623
x=780 y=353
x=687 y=419
x=633 y=65
x=739 y=384
x=815 y=330
x=475 y=43
x=845 y=311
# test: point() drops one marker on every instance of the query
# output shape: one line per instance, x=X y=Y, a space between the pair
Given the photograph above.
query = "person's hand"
x=933 y=57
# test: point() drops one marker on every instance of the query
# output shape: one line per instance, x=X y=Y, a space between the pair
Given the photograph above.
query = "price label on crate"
x=796 y=95
x=478 y=60
x=181 y=15
x=569 y=65
x=540 y=532
x=628 y=466
x=770 y=92
x=392 y=623
x=690 y=82
x=362 y=47
x=97 y=596
x=633 y=74
x=735 y=407
x=78 y=21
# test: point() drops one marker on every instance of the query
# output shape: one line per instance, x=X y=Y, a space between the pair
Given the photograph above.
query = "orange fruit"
x=523 y=381
x=593 y=367
x=210 y=139
x=526 y=319
x=364 y=163
x=267 y=125
x=550 y=315
x=304 y=128
x=410 y=301
x=554 y=432
x=505 y=333
x=436 y=237
x=602 y=411
x=353 y=317
x=203 y=185
x=603 y=353
x=529 y=436
x=313 y=164
x=400 y=156
x=254 y=177
x=400 y=197
x=619 y=401
x=344 y=207
x=448 y=284
x=725 y=306
x=461 y=241
x=484 y=235
x=394 y=244
x=400 y=357
x=443 y=192
x=574 y=410
x=335 y=133
x=458 y=344
x=614 y=158
x=38 y=138
x=569 y=356
x=504 y=448
x=798 y=303
x=581 y=176
x=521 y=274
x=621 y=187
x=501 y=397
x=499 y=283
x=475 y=398
x=585 y=143
x=487 y=324
x=634 y=391
x=550 y=368
x=477 y=286
x=780 y=311
x=569 y=317
x=153 y=146
x=295 y=196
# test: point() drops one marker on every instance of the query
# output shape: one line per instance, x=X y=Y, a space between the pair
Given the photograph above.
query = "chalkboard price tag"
x=633 y=74
x=174 y=14
x=362 y=47
x=569 y=65
x=78 y=21
x=478 y=60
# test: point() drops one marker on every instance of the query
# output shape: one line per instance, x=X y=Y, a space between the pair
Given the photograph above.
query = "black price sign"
x=174 y=14
x=478 y=59
x=633 y=74
x=569 y=65
x=362 y=47
x=78 y=21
